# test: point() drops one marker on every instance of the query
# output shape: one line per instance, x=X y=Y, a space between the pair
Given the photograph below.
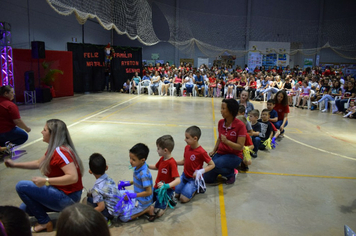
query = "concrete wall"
x=44 y=24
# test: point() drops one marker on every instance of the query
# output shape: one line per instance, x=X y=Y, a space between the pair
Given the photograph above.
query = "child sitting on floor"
x=167 y=176
x=142 y=181
x=350 y=112
x=102 y=195
x=194 y=158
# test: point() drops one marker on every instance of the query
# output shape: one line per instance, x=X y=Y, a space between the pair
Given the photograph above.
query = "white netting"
x=215 y=34
x=130 y=17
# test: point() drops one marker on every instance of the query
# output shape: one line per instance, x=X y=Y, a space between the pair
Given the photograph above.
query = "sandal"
x=48 y=228
x=151 y=218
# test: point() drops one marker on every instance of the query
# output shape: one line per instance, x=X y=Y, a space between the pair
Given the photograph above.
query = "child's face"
x=280 y=97
x=191 y=141
x=265 y=116
x=134 y=161
x=252 y=118
x=270 y=106
x=160 y=151
x=352 y=104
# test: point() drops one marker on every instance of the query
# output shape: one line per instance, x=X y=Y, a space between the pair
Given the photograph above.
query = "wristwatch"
x=47 y=182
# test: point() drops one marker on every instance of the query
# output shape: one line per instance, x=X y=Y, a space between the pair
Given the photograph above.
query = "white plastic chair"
x=312 y=92
x=233 y=91
x=142 y=85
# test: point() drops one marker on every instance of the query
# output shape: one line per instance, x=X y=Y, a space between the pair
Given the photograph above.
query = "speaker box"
x=38 y=50
x=43 y=95
x=29 y=80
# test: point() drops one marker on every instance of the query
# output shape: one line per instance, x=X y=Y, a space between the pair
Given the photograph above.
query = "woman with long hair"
x=61 y=185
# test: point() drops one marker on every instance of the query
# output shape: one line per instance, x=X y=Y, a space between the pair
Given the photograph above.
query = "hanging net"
x=215 y=34
x=130 y=17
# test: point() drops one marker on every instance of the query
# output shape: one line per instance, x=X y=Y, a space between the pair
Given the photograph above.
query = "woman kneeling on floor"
x=62 y=184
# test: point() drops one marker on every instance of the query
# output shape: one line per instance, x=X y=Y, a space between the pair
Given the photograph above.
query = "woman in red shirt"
x=227 y=153
x=282 y=109
x=62 y=184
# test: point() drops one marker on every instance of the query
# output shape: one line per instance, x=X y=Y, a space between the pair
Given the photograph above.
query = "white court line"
x=321 y=150
x=78 y=122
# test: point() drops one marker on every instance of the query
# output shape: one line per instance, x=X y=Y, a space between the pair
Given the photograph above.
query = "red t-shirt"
x=253 y=84
x=167 y=171
x=8 y=113
x=236 y=129
x=248 y=141
x=281 y=110
x=61 y=158
x=194 y=160
x=212 y=80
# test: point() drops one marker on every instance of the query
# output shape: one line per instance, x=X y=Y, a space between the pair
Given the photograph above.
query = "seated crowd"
x=305 y=88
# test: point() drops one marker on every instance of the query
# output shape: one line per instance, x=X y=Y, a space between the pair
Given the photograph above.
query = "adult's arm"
x=215 y=147
x=284 y=121
x=70 y=177
x=31 y=165
x=22 y=125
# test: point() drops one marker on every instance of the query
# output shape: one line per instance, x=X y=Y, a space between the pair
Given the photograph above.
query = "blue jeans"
x=189 y=88
x=186 y=187
x=270 y=91
x=162 y=205
x=326 y=98
x=154 y=87
x=341 y=104
x=279 y=123
x=256 y=143
x=224 y=165
x=105 y=212
x=37 y=201
x=16 y=136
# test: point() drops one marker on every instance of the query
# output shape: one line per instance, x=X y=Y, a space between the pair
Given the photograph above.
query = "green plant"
x=50 y=74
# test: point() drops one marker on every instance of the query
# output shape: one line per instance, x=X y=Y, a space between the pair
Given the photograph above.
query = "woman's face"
x=224 y=110
x=243 y=96
x=280 y=97
x=10 y=95
x=46 y=134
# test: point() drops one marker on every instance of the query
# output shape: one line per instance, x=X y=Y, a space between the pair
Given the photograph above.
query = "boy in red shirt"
x=194 y=158
x=167 y=176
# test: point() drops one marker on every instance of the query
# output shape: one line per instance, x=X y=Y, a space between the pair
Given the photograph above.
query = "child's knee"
x=183 y=199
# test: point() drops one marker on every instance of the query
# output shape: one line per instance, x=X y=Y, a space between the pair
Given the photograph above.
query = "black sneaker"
x=173 y=202
x=254 y=155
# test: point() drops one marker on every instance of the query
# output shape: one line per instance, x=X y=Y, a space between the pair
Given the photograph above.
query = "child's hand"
x=211 y=154
x=130 y=195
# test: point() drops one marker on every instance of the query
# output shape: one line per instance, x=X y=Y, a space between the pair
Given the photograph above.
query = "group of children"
x=261 y=130
x=113 y=200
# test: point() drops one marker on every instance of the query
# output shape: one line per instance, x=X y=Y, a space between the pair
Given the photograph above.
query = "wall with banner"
x=89 y=66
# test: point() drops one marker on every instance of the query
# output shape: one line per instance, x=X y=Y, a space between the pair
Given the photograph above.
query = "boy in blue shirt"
x=142 y=181
x=273 y=115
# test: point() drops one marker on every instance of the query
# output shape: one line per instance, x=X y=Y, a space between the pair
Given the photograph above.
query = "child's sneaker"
x=231 y=180
x=109 y=223
x=254 y=155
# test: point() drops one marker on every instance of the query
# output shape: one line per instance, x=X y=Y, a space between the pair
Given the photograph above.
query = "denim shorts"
x=162 y=205
x=186 y=187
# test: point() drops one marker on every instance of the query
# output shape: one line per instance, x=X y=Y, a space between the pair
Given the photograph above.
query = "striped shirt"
x=142 y=179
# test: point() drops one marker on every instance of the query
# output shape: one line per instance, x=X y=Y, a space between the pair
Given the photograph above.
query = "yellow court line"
x=224 y=231
x=298 y=175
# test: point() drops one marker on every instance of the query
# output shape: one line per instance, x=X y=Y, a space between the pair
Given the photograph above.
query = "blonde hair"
x=242 y=118
x=59 y=137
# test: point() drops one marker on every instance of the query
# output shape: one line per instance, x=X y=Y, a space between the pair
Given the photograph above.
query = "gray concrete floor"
x=306 y=186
